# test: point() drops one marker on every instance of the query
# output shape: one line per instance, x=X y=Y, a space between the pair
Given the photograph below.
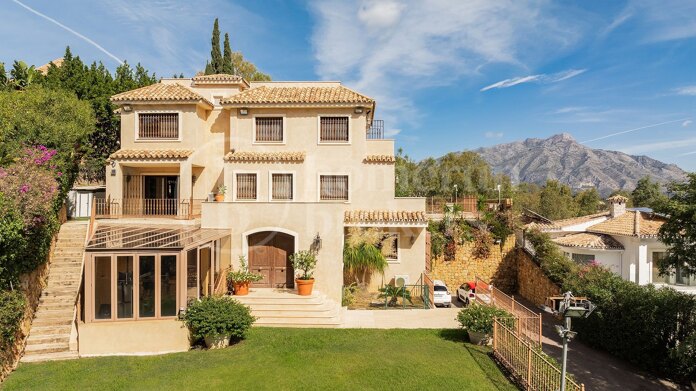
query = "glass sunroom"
x=136 y=272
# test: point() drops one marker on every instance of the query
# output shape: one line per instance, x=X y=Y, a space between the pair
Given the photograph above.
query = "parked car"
x=466 y=293
x=442 y=295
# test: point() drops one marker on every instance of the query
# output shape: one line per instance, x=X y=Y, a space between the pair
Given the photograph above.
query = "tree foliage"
x=215 y=55
x=647 y=193
x=556 y=201
x=679 y=232
x=364 y=253
x=229 y=61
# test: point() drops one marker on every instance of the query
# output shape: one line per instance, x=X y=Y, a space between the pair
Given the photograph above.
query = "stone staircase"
x=49 y=337
x=284 y=308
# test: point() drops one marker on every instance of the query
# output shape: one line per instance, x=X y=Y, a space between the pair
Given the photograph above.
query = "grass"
x=285 y=359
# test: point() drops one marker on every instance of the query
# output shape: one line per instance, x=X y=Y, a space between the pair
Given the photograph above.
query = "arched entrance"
x=269 y=255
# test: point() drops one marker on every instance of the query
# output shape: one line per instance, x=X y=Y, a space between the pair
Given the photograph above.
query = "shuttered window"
x=281 y=186
x=333 y=187
x=246 y=186
x=333 y=129
x=269 y=129
x=158 y=126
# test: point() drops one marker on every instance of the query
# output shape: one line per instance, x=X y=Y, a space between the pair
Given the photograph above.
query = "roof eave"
x=290 y=105
x=199 y=102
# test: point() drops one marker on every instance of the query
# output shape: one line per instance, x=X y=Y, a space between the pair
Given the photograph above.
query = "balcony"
x=147 y=208
x=375 y=129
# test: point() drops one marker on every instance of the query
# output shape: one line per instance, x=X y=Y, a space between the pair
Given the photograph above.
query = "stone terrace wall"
x=499 y=268
x=532 y=283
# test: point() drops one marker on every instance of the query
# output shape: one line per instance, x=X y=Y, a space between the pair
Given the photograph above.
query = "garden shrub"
x=219 y=315
x=479 y=318
x=12 y=305
x=653 y=328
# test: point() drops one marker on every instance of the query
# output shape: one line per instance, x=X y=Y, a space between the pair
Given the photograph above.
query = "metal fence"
x=527 y=322
x=142 y=207
x=375 y=130
x=526 y=363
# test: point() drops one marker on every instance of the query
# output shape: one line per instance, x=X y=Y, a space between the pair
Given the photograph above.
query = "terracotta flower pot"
x=219 y=197
x=241 y=288
x=217 y=341
x=304 y=287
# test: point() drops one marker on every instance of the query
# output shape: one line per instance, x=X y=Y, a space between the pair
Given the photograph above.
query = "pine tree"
x=208 y=68
x=227 y=57
x=215 y=55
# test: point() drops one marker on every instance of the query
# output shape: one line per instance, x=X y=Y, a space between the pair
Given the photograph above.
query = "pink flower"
x=24 y=188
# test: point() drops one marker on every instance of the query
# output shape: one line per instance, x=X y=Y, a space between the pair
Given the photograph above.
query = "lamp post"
x=455 y=194
x=570 y=308
x=498 y=188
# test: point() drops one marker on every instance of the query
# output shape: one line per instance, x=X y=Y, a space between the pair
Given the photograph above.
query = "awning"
x=115 y=237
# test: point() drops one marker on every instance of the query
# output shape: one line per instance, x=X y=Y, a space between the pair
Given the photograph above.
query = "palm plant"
x=392 y=293
x=365 y=252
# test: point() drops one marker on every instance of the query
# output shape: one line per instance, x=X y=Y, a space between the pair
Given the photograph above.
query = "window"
x=392 y=241
x=158 y=126
x=281 y=187
x=168 y=285
x=583 y=258
x=333 y=187
x=657 y=258
x=246 y=186
x=333 y=130
x=102 y=287
x=124 y=287
x=269 y=130
x=146 y=288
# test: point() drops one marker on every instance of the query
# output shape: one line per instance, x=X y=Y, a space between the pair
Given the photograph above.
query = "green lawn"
x=287 y=359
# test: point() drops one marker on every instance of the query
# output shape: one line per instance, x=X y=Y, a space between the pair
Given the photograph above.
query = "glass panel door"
x=102 y=287
x=146 y=286
x=124 y=287
x=191 y=275
x=205 y=268
x=168 y=285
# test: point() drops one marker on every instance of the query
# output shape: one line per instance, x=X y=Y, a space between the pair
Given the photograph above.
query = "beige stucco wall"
x=133 y=338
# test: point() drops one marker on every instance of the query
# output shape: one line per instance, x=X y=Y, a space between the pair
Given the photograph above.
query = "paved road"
x=598 y=370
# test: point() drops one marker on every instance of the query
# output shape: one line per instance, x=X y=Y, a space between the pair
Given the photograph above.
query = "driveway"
x=598 y=370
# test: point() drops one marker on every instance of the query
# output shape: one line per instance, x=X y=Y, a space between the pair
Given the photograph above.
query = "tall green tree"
x=588 y=202
x=679 y=232
x=23 y=75
x=556 y=201
x=227 y=66
x=647 y=193
x=215 y=55
x=3 y=77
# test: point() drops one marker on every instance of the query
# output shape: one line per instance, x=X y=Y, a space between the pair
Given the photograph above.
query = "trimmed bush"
x=653 y=328
x=218 y=316
x=12 y=305
x=478 y=318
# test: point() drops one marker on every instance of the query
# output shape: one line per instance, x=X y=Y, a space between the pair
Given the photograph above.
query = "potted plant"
x=220 y=196
x=216 y=319
x=304 y=263
x=242 y=277
x=477 y=319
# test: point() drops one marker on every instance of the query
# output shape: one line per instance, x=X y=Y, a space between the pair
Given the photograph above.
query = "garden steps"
x=284 y=308
x=49 y=337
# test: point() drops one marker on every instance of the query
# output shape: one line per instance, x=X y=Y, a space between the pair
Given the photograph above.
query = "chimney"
x=617 y=205
x=636 y=223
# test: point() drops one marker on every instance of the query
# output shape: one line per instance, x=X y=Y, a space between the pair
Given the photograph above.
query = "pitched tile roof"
x=380 y=159
x=134 y=154
x=631 y=223
x=235 y=156
x=589 y=240
x=219 y=78
x=160 y=92
x=357 y=217
x=298 y=95
x=560 y=224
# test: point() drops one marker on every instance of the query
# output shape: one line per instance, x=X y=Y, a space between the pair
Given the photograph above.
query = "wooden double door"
x=269 y=255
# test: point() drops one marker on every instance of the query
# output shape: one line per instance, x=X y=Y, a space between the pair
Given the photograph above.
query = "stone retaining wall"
x=499 y=268
x=532 y=283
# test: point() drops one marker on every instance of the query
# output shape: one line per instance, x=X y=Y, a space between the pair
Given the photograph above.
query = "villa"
x=625 y=240
x=214 y=168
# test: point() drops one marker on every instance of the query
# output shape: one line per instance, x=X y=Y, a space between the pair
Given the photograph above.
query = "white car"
x=466 y=293
x=442 y=296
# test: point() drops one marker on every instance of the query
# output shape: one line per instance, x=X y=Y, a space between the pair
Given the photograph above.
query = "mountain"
x=562 y=158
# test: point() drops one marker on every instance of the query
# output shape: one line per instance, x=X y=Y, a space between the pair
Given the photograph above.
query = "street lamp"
x=455 y=194
x=498 y=188
x=569 y=308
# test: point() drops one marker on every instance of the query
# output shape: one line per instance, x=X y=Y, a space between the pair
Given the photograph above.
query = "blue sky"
x=448 y=75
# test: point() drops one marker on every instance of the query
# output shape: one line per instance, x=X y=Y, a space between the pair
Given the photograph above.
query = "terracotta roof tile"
x=298 y=95
x=384 y=217
x=235 y=156
x=557 y=225
x=134 y=154
x=160 y=92
x=589 y=240
x=380 y=159
x=631 y=223
x=219 y=78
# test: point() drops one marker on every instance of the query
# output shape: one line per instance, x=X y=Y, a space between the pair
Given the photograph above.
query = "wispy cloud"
x=687 y=123
x=64 y=27
x=632 y=130
x=620 y=19
x=685 y=90
x=540 y=78
x=688 y=153
x=390 y=49
x=659 y=146
x=493 y=135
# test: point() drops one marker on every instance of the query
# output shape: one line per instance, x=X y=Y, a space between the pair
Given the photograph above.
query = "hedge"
x=653 y=328
x=12 y=305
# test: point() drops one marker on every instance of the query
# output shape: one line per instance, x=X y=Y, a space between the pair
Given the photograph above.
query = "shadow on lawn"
x=482 y=356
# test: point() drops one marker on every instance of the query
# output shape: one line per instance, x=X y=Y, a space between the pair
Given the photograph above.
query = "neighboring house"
x=301 y=162
x=80 y=199
x=624 y=240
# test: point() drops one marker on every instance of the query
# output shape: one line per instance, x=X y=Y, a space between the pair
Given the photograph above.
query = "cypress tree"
x=215 y=55
x=208 y=68
x=227 y=57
